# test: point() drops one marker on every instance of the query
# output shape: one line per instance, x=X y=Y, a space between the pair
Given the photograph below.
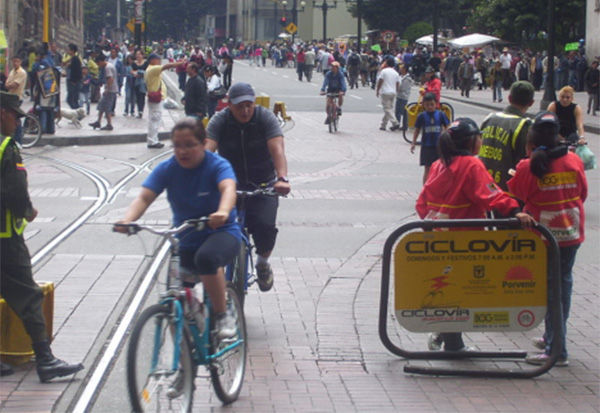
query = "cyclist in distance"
x=199 y=183
x=334 y=82
x=250 y=137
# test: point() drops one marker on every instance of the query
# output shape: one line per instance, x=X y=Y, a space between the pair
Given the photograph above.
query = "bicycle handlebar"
x=260 y=191
x=198 y=224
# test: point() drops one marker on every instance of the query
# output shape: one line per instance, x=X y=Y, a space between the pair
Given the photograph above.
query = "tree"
x=523 y=21
x=416 y=30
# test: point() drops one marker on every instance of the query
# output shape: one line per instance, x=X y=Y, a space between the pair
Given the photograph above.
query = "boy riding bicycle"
x=334 y=82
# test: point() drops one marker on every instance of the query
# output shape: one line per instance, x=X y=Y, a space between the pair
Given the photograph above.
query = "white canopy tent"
x=428 y=40
x=473 y=40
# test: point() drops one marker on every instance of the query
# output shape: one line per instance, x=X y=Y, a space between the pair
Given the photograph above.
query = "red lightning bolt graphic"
x=439 y=282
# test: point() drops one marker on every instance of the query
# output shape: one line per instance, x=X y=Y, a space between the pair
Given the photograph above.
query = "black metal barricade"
x=507 y=228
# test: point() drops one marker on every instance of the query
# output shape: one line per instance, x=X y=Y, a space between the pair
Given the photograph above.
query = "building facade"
x=592 y=30
x=22 y=21
x=261 y=20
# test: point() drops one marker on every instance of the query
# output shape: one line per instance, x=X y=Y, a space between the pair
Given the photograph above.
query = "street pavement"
x=314 y=344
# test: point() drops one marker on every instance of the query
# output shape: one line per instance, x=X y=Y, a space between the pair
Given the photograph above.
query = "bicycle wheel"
x=407 y=133
x=331 y=115
x=152 y=383
x=239 y=270
x=227 y=372
x=32 y=130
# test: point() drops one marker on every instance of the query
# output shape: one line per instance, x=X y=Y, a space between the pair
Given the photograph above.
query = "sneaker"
x=434 y=341
x=107 y=127
x=382 y=128
x=139 y=116
x=225 y=326
x=539 y=343
x=539 y=359
x=125 y=114
x=264 y=277
x=156 y=145
x=176 y=387
x=395 y=127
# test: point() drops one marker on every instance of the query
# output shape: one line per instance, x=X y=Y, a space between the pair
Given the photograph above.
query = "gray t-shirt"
x=111 y=71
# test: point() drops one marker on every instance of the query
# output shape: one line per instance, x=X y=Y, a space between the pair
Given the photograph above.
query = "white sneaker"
x=539 y=359
x=225 y=326
x=434 y=341
x=539 y=343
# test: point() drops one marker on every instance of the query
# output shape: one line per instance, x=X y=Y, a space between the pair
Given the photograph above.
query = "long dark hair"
x=448 y=147
x=547 y=147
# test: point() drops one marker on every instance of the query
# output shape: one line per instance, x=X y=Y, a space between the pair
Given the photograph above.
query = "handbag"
x=218 y=93
x=154 y=97
x=587 y=156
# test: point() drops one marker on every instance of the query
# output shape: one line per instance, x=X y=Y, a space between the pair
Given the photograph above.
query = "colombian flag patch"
x=20 y=167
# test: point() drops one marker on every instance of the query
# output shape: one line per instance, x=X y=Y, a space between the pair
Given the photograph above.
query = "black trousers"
x=19 y=290
x=261 y=215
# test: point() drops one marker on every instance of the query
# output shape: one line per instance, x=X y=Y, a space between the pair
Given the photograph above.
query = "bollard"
x=15 y=343
x=280 y=108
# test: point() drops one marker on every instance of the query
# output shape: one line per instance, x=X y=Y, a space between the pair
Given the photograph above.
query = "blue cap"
x=153 y=56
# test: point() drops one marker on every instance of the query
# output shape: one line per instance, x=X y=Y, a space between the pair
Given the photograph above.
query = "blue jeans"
x=129 y=98
x=47 y=120
x=567 y=259
x=212 y=106
x=497 y=90
x=401 y=112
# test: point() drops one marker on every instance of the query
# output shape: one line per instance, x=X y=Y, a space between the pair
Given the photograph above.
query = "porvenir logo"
x=518 y=277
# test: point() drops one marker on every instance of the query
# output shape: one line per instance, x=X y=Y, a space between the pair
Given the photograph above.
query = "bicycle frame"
x=173 y=299
x=201 y=338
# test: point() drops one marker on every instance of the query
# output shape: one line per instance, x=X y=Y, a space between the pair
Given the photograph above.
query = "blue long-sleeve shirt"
x=334 y=82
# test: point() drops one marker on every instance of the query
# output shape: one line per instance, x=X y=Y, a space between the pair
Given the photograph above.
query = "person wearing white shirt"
x=505 y=61
x=388 y=84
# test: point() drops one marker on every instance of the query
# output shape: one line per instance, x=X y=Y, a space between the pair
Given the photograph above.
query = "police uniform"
x=504 y=141
x=17 y=286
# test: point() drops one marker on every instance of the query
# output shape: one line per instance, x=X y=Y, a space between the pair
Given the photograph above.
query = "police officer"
x=17 y=287
x=504 y=136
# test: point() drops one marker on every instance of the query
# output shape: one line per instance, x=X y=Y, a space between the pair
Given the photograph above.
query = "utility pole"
x=549 y=92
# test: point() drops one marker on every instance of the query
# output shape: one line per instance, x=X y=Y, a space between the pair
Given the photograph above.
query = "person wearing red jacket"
x=432 y=85
x=553 y=186
x=459 y=187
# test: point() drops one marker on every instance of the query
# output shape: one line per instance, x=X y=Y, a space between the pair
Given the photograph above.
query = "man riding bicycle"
x=334 y=82
x=251 y=138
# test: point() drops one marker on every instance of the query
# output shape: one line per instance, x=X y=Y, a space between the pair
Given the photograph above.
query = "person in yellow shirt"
x=154 y=83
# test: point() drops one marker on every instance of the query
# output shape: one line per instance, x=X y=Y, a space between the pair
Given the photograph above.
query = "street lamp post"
x=295 y=15
x=325 y=7
x=139 y=5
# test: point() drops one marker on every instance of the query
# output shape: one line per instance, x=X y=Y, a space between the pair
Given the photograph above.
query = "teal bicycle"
x=172 y=338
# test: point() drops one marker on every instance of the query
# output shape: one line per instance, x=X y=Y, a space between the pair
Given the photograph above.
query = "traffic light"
x=283 y=22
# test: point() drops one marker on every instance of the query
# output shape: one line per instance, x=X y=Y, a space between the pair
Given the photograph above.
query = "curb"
x=111 y=139
x=98 y=139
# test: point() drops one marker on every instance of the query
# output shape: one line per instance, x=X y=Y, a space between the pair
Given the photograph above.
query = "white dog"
x=74 y=115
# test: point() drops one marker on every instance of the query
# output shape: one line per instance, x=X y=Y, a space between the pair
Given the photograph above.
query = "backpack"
x=353 y=60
